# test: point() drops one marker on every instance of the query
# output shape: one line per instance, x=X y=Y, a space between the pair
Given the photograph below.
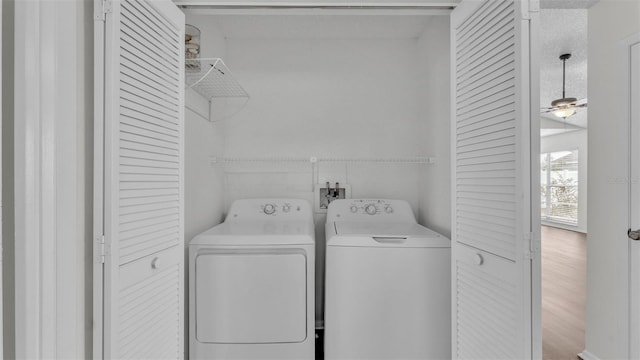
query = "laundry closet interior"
x=358 y=97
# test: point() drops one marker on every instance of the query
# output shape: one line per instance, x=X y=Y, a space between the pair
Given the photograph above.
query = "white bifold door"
x=493 y=227
x=138 y=272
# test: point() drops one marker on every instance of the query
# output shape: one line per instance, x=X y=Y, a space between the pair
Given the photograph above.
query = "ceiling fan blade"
x=582 y=101
x=583 y=105
x=546 y=110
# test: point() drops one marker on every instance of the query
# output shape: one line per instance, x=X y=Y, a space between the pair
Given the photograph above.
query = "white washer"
x=251 y=283
x=388 y=292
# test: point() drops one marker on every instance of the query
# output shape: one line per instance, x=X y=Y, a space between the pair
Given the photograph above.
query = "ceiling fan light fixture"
x=564 y=107
x=564 y=112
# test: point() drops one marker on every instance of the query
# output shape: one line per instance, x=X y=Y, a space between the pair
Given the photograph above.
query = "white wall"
x=204 y=205
x=571 y=141
x=606 y=314
x=354 y=98
x=84 y=178
x=203 y=183
x=435 y=188
x=53 y=94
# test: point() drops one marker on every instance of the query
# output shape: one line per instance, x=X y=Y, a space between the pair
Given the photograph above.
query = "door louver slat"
x=486 y=120
x=131 y=69
x=492 y=69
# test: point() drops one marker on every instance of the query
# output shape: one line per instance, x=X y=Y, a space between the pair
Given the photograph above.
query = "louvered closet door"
x=491 y=283
x=143 y=180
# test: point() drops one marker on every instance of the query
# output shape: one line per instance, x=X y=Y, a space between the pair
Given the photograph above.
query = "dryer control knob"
x=354 y=209
x=370 y=209
x=388 y=210
x=269 y=209
x=286 y=208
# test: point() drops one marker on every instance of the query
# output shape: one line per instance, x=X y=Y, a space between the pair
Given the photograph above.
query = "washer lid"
x=385 y=234
x=258 y=233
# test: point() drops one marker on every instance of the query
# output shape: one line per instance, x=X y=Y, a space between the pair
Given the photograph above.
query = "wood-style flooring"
x=564 y=272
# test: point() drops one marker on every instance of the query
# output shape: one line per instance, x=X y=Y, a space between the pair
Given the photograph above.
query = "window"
x=559 y=186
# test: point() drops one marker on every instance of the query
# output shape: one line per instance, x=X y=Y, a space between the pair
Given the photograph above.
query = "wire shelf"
x=398 y=160
x=212 y=79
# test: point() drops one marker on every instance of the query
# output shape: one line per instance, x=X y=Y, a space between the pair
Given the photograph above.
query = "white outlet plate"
x=316 y=195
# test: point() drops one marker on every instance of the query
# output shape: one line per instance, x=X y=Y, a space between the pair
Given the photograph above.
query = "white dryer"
x=251 y=283
x=388 y=293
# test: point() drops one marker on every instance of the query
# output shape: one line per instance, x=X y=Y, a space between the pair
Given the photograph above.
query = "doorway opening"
x=563 y=182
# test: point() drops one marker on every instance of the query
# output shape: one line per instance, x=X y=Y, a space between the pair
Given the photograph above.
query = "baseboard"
x=586 y=355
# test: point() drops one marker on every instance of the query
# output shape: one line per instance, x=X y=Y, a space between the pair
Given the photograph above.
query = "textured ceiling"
x=563 y=31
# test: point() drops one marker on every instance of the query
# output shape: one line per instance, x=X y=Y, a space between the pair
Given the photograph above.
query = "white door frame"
x=28 y=187
x=631 y=274
x=98 y=179
x=46 y=254
x=534 y=181
x=1 y=251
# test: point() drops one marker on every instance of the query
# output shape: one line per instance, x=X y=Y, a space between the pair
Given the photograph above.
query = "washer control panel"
x=265 y=209
x=370 y=210
x=371 y=207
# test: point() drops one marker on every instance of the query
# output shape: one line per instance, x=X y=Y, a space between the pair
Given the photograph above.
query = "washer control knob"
x=286 y=207
x=354 y=209
x=269 y=209
x=388 y=209
x=370 y=209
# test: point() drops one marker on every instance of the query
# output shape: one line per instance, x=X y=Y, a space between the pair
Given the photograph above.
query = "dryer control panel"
x=370 y=210
x=266 y=209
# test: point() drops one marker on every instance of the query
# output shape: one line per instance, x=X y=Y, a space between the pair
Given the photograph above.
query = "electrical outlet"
x=326 y=194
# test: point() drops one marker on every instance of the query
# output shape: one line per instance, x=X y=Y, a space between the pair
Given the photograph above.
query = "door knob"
x=633 y=234
x=478 y=259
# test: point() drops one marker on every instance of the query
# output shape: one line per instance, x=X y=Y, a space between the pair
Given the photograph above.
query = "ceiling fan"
x=565 y=106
